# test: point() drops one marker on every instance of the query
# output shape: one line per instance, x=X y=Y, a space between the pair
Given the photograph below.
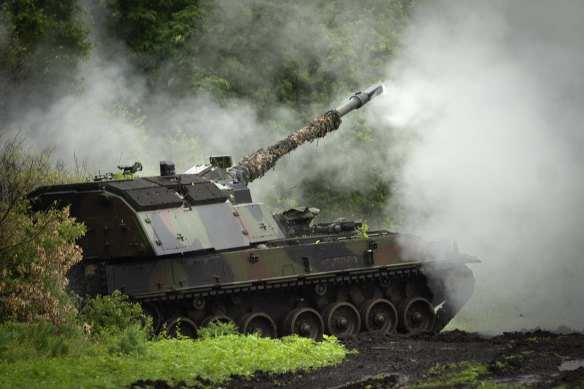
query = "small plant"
x=112 y=315
x=131 y=341
x=362 y=231
x=162 y=333
x=218 y=328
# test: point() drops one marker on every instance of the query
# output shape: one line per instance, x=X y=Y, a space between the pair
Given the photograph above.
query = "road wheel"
x=417 y=315
x=259 y=323
x=379 y=315
x=341 y=318
x=305 y=322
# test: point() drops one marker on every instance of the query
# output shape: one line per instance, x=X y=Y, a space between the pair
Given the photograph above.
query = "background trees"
x=41 y=43
x=284 y=61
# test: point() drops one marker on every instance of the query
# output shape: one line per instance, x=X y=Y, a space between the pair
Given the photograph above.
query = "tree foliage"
x=252 y=49
x=40 y=44
x=36 y=248
x=158 y=35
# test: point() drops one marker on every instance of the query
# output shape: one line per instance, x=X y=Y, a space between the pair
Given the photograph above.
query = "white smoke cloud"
x=491 y=94
x=99 y=127
x=80 y=123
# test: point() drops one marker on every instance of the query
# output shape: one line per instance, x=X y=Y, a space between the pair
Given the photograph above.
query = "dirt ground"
x=537 y=359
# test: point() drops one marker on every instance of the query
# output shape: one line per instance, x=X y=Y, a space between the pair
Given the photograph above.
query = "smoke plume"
x=110 y=121
x=490 y=96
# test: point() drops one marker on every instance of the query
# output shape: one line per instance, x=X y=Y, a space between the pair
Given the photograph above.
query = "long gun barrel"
x=359 y=99
x=259 y=162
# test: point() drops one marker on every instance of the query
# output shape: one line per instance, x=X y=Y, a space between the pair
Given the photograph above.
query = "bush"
x=217 y=328
x=131 y=341
x=112 y=315
x=36 y=248
x=36 y=251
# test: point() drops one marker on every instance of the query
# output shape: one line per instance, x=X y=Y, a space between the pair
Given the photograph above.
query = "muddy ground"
x=450 y=359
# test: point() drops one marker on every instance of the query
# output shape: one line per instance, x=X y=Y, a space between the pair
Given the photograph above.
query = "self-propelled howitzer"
x=194 y=248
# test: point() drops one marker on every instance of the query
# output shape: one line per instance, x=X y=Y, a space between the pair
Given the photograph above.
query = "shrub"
x=36 y=248
x=132 y=340
x=36 y=251
x=112 y=315
x=217 y=328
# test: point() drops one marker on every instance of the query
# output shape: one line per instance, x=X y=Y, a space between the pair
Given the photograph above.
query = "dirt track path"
x=449 y=359
x=541 y=358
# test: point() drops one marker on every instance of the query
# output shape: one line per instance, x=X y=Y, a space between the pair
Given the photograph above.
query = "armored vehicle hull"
x=189 y=256
x=195 y=248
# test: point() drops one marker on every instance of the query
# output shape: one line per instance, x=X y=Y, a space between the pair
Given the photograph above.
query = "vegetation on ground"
x=451 y=375
x=69 y=357
x=465 y=374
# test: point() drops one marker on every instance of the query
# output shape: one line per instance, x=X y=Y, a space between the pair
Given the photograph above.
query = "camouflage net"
x=258 y=163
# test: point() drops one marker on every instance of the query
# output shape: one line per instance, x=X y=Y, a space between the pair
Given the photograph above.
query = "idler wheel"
x=341 y=318
x=305 y=322
x=379 y=315
x=259 y=323
x=417 y=315
x=184 y=325
x=216 y=318
x=152 y=312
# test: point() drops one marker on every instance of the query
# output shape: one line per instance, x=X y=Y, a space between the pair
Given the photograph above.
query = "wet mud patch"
x=570 y=378
x=449 y=359
x=445 y=359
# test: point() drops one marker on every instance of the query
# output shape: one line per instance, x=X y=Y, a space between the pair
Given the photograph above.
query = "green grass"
x=107 y=346
x=460 y=375
x=467 y=374
x=454 y=374
x=173 y=360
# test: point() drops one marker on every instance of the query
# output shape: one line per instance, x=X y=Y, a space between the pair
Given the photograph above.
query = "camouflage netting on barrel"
x=258 y=163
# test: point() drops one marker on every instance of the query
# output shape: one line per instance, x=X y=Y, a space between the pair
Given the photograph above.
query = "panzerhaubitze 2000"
x=194 y=248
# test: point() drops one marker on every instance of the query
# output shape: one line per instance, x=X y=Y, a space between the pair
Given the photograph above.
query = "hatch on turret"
x=184 y=229
x=257 y=223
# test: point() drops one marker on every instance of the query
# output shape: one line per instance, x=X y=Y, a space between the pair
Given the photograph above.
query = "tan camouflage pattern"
x=256 y=164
